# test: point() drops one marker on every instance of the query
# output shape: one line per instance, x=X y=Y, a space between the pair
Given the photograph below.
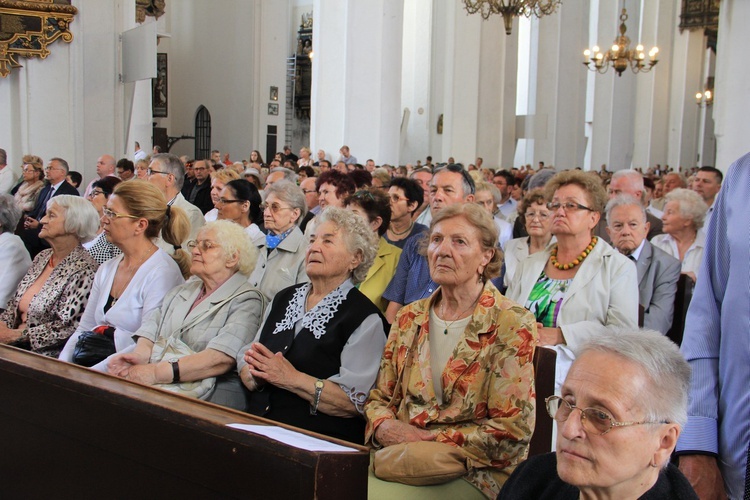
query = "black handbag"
x=94 y=346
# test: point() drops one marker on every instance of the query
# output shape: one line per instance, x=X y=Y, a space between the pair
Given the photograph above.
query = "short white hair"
x=357 y=234
x=233 y=240
x=81 y=218
x=623 y=200
x=691 y=205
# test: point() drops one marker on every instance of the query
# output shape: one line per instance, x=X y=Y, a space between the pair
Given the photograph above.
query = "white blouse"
x=691 y=263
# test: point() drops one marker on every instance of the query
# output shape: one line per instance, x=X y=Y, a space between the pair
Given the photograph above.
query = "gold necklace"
x=448 y=325
x=577 y=261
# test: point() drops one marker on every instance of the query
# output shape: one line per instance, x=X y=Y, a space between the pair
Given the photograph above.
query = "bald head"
x=105 y=166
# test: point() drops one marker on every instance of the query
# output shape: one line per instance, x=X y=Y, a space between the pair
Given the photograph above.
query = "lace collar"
x=317 y=318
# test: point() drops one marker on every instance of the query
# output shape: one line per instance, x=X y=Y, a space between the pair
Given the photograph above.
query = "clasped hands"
x=267 y=367
x=136 y=367
x=393 y=431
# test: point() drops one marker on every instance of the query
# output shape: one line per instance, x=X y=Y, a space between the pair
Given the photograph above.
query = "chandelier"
x=620 y=56
x=510 y=9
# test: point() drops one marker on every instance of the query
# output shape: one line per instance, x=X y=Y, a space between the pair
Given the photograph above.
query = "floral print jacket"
x=488 y=386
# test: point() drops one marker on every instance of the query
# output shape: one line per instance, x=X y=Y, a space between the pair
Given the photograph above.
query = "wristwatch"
x=316 y=399
x=175 y=363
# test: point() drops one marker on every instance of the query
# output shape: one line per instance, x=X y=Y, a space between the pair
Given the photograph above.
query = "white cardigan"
x=604 y=293
x=145 y=292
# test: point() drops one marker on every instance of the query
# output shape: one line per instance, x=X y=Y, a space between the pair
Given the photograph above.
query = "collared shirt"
x=637 y=252
x=508 y=210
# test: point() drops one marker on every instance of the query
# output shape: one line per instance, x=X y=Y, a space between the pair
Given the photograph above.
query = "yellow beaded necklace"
x=577 y=261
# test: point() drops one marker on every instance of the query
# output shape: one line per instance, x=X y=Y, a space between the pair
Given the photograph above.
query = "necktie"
x=45 y=199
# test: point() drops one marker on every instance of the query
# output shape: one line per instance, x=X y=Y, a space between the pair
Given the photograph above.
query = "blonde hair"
x=34 y=161
x=225 y=175
x=144 y=200
x=587 y=181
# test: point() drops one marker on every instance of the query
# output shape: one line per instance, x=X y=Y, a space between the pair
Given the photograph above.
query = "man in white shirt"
x=105 y=165
x=423 y=177
x=508 y=207
x=8 y=175
x=139 y=153
x=167 y=173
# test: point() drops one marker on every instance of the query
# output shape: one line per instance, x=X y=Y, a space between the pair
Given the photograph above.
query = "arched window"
x=202 y=133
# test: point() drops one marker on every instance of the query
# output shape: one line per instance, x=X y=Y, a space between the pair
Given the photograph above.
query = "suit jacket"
x=30 y=237
x=283 y=267
x=658 y=273
x=202 y=198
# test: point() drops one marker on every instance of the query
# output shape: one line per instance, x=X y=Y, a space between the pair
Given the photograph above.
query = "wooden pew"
x=68 y=432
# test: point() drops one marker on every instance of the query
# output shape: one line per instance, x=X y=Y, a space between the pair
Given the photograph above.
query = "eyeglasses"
x=224 y=201
x=568 y=206
x=309 y=191
x=109 y=214
x=274 y=207
x=396 y=198
x=199 y=169
x=595 y=421
x=542 y=216
x=203 y=245
x=96 y=192
x=150 y=171
x=362 y=194
x=50 y=167
x=27 y=170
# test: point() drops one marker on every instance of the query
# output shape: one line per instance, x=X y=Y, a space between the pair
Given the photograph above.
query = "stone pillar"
x=356 y=88
x=731 y=103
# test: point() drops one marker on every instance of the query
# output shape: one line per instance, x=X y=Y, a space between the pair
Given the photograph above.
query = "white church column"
x=356 y=89
x=732 y=106
x=561 y=87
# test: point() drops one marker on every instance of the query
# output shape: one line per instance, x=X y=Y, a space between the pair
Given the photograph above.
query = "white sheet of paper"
x=292 y=438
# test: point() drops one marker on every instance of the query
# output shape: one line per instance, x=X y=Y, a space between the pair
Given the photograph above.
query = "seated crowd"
x=394 y=307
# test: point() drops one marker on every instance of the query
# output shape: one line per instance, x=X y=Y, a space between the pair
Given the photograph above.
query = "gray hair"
x=81 y=218
x=467 y=183
x=62 y=163
x=289 y=175
x=623 y=200
x=10 y=213
x=290 y=193
x=358 y=237
x=234 y=240
x=541 y=178
x=171 y=164
x=666 y=396
x=633 y=176
x=691 y=205
x=497 y=197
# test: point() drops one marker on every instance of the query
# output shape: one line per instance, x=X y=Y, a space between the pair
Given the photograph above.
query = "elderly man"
x=105 y=165
x=321 y=157
x=658 y=271
x=200 y=195
x=9 y=175
x=423 y=177
x=311 y=199
x=280 y=173
x=55 y=172
x=450 y=185
x=167 y=173
x=630 y=183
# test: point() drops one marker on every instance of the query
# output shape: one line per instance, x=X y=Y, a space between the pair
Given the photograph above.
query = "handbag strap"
x=411 y=353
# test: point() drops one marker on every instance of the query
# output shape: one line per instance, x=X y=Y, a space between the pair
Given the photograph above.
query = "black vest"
x=320 y=358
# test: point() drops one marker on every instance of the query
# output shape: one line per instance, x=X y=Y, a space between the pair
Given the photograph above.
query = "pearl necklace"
x=577 y=261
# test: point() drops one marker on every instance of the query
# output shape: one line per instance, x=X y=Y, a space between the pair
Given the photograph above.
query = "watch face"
x=318 y=384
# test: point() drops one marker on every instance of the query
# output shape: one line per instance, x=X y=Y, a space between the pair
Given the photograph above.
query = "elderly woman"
x=215 y=315
x=27 y=191
x=281 y=259
x=100 y=248
x=581 y=285
x=684 y=213
x=316 y=356
x=13 y=253
x=219 y=180
x=630 y=390
x=374 y=207
x=333 y=187
x=457 y=368
x=51 y=298
x=537 y=219
x=240 y=202
x=127 y=288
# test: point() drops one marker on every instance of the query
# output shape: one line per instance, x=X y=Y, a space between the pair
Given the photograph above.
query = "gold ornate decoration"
x=620 y=56
x=151 y=8
x=510 y=9
x=697 y=14
x=28 y=27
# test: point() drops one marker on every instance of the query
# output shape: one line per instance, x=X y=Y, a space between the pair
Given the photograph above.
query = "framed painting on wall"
x=159 y=86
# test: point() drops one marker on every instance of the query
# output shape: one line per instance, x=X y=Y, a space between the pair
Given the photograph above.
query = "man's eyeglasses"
x=203 y=245
x=309 y=191
x=568 y=206
x=96 y=192
x=274 y=207
x=109 y=214
x=150 y=171
x=224 y=201
x=593 y=420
